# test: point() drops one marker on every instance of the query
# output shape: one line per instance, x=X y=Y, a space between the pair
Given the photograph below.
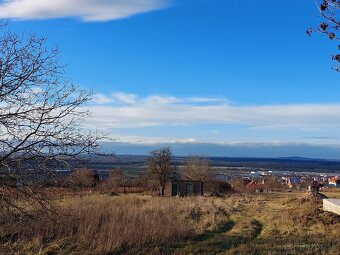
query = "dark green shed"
x=187 y=188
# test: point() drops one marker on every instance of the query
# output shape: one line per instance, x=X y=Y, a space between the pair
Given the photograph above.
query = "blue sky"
x=195 y=71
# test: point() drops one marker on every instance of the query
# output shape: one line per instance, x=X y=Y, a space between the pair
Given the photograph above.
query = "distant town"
x=293 y=173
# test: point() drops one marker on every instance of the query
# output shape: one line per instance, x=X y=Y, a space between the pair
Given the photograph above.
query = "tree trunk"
x=162 y=190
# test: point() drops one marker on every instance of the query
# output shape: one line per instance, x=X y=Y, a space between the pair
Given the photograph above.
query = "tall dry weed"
x=124 y=224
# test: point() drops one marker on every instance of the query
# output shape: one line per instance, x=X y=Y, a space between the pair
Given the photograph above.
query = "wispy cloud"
x=102 y=99
x=161 y=140
x=323 y=137
x=86 y=10
x=268 y=149
x=154 y=140
x=124 y=98
x=158 y=110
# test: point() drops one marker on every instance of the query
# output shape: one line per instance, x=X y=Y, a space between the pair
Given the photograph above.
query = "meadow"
x=268 y=223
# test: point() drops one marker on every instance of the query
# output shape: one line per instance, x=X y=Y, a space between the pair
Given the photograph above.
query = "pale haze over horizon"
x=225 y=78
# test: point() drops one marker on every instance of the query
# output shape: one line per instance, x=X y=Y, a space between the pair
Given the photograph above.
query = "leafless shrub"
x=82 y=179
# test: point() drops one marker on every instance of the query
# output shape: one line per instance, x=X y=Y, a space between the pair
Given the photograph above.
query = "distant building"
x=324 y=178
x=223 y=177
x=103 y=175
x=293 y=182
x=255 y=186
x=334 y=182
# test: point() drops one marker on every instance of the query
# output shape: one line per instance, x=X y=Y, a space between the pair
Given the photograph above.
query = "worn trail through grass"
x=230 y=235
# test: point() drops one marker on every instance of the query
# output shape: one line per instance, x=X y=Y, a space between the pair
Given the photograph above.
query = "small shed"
x=186 y=188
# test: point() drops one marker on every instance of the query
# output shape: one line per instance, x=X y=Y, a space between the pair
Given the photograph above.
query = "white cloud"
x=102 y=99
x=146 y=140
x=205 y=99
x=87 y=10
x=161 y=100
x=157 y=110
x=214 y=132
x=155 y=140
x=126 y=98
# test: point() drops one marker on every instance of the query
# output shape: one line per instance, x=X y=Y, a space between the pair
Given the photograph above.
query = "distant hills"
x=287 y=151
x=136 y=164
x=303 y=159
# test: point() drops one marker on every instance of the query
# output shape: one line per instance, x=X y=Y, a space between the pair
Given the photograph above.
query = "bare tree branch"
x=329 y=11
x=40 y=121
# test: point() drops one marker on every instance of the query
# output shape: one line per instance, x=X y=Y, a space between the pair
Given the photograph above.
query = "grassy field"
x=273 y=223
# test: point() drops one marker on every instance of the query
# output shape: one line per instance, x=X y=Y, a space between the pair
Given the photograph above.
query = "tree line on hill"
x=160 y=171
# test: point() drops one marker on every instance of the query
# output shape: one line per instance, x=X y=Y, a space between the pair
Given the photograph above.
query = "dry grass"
x=124 y=224
x=290 y=225
x=276 y=223
x=332 y=193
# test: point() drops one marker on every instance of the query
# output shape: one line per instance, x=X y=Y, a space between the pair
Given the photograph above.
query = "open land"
x=267 y=223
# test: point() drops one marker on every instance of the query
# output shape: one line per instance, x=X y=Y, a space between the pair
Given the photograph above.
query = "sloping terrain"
x=273 y=223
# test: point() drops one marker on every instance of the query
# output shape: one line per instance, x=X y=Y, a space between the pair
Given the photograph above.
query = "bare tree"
x=160 y=167
x=330 y=12
x=40 y=117
x=273 y=183
x=117 y=179
x=82 y=179
x=198 y=168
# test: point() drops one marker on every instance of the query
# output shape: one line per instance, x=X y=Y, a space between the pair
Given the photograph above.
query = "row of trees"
x=160 y=169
